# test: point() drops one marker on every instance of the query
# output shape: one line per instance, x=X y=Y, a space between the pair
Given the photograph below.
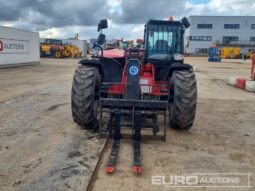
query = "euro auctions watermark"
x=209 y=180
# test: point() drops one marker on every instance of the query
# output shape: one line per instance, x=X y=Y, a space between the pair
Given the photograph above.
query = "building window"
x=204 y=26
x=200 y=38
x=228 y=39
x=252 y=38
x=231 y=26
x=252 y=26
x=201 y=50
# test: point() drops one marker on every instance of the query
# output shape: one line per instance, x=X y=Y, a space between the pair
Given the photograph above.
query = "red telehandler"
x=132 y=88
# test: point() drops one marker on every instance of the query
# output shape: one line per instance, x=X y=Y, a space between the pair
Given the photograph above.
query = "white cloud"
x=115 y=6
x=195 y=9
x=222 y=7
x=138 y=29
x=8 y=25
x=52 y=33
x=68 y=18
x=69 y=32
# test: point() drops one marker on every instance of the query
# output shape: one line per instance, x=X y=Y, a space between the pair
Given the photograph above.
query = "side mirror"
x=185 y=22
x=103 y=24
x=101 y=39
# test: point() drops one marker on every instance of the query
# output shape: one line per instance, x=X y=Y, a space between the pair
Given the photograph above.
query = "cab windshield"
x=163 y=40
x=53 y=41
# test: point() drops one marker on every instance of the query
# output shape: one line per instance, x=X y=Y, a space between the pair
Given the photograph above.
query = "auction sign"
x=12 y=46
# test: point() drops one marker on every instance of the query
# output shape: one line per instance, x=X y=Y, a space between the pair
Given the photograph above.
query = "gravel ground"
x=42 y=149
x=40 y=146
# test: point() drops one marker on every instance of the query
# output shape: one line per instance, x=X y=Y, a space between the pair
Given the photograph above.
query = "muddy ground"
x=42 y=149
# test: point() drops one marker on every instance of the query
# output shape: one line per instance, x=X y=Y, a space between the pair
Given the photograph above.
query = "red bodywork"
x=114 y=53
x=240 y=82
x=253 y=68
x=57 y=47
x=148 y=84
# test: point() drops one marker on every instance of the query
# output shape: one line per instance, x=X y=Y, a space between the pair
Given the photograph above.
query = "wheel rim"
x=58 y=54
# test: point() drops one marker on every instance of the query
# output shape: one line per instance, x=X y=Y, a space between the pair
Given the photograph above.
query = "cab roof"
x=163 y=22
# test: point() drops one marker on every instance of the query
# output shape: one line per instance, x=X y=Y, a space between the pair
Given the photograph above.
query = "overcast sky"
x=126 y=18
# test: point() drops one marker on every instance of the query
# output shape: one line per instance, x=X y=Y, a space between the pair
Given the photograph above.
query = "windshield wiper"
x=167 y=58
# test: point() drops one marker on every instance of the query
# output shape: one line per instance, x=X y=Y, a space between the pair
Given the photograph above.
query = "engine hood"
x=114 y=53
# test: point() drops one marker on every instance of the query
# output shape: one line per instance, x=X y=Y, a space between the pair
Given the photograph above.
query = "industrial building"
x=18 y=47
x=223 y=31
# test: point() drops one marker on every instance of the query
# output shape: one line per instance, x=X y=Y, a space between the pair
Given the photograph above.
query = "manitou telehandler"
x=133 y=88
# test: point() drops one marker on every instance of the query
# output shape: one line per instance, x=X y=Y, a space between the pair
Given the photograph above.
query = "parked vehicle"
x=133 y=88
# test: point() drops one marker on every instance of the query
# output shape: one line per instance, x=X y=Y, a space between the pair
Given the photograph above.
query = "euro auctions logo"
x=202 y=180
x=13 y=46
x=1 y=45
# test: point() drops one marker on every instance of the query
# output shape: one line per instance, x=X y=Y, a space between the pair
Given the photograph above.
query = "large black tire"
x=182 y=108
x=85 y=96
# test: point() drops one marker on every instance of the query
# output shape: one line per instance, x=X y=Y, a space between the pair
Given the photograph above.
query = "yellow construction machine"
x=55 y=48
x=71 y=51
x=51 y=48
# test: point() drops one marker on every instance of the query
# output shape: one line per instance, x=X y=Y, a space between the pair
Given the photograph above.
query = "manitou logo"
x=1 y=46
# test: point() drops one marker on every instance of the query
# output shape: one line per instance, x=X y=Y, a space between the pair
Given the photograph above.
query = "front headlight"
x=178 y=57
x=95 y=52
